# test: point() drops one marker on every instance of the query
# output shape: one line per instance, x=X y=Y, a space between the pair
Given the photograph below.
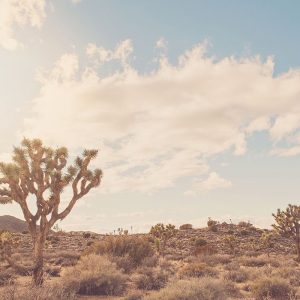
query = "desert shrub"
x=213 y=228
x=238 y=275
x=89 y=243
x=197 y=270
x=251 y=253
x=135 y=295
x=53 y=239
x=133 y=249
x=214 y=259
x=244 y=224
x=231 y=243
x=47 y=292
x=194 y=289
x=205 y=250
x=6 y=277
x=259 y=261
x=244 y=232
x=291 y=274
x=150 y=261
x=86 y=235
x=63 y=258
x=254 y=261
x=232 y=266
x=166 y=264
x=212 y=225
x=186 y=227
x=53 y=271
x=63 y=254
x=150 y=278
x=94 y=275
x=211 y=222
x=274 y=288
x=124 y=262
x=200 y=242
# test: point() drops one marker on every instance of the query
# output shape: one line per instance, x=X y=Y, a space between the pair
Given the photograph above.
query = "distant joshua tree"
x=41 y=172
x=162 y=234
x=288 y=224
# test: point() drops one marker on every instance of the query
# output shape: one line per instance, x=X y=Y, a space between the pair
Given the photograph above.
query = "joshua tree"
x=162 y=234
x=267 y=241
x=41 y=172
x=288 y=224
x=230 y=241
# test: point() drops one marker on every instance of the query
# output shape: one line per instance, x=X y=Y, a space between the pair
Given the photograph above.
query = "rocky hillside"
x=224 y=239
x=12 y=224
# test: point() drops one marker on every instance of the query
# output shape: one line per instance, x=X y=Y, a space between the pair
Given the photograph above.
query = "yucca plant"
x=288 y=224
x=42 y=172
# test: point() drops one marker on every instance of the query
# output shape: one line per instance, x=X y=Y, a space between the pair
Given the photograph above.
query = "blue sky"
x=214 y=133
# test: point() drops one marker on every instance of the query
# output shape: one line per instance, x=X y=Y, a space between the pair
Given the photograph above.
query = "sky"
x=194 y=105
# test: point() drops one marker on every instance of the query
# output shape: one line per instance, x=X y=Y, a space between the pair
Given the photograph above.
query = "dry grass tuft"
x=150 y=278
x=197 y=270
x=194 y=289
x=94 y=275
x=272 y=288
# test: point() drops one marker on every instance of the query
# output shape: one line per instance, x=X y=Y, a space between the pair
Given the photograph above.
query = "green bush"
x=94 y=275
x=194 y=289
x=272 y=288
x=129 y=251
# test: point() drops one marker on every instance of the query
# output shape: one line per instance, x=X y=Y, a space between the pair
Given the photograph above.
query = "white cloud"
x=157 y=128
x=162 y=44
x=102 y=55
x=292 y=151
x=65 y=69
x=212 y=182
x=18 y=14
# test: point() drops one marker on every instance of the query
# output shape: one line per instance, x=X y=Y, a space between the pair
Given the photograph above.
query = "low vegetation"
x=220 y=261
x=94 y=275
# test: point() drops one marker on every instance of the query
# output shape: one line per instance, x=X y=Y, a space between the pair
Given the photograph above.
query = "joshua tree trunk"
x=39 y=243
x=298 y=241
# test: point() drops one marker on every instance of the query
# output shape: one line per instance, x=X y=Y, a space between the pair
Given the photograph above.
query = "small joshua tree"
x=230 y=241
x=267 y=241
x=7 y=243
x=288 y=224
x=41 y=172
x=162 y=234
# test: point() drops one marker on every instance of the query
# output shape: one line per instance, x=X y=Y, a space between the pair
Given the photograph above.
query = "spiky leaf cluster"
x=288 y=221
x=39 y=170
x=162 y=231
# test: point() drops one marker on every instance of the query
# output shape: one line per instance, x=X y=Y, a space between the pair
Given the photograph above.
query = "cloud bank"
x=157 y=128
